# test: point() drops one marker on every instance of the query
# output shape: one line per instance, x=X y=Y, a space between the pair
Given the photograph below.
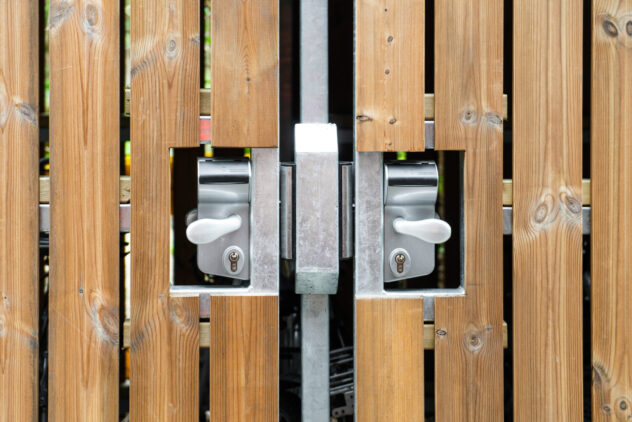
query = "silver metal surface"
x=315 y=357
x=317 y=234
x=264 y=223
x=224 y=189
x=346 y=210
x=508 y=220
x=410 y=192
x=287 y=211
x=125 y=216
x=429 y=140
x=369 y=239
x=264 y=236
x=314 y=61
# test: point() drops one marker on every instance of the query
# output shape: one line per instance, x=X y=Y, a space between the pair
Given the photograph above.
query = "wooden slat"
x=184 y=342
x=19 y=146
x=124 y=189
x=390 y=41
x=547 y=233
x=389 y=360
x=204 y=329
x=244 y=350
x=84 y=238
x=245 y=73
x=205 y=104
x=611 y=240
x=508 y=192
x=468 y=90
x=165 y=38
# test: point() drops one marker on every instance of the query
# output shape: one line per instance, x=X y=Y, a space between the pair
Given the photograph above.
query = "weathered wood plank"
x=84 y=237
x=468 y=96
x=390 y=46
x=245 y=73
x=547 y=233
x=205 y=104
x=611 y=241
x=165 y=38
x=390 y=360
x=244 y=350
x=19 y=146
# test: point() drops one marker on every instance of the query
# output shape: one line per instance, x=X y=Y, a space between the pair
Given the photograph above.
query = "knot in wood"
x=91 y=19
x=27 y=113
x=179 y=314
x=474 y=340
x=59 y=12
x=493 y=119
x=363 y=118
x=441 y=333
x=610 y=27
x=105 y=319
x=172 y=47
x=469 y=116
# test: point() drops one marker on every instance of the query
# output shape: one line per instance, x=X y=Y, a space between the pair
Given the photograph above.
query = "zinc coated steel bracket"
x=317 y=213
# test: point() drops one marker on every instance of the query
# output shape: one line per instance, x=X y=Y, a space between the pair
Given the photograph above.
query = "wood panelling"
x=84 y=238
x=245 y=73
x=244 y=364
x=389 y=360
x=547 y=232
x=205 y=104
x=165 y=37
x=469 y=107
x=390 y=48
x=611 y=234
x=19 y=146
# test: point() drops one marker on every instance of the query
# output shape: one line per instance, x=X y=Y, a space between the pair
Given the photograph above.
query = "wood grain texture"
x=389 y=360
x=245 y=73
x=205 y=342
x=124 y=189
x=244 y=364
x=469 y=103
x=84 y=237
x=165 y=37
x=19 y=254
x=205 y=104
x=508 y=192
x=390 y=46
x=547 y=233
x=611 y=235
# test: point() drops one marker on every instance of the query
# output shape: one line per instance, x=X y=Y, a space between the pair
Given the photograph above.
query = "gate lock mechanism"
x=411 y=228
x=221 y=229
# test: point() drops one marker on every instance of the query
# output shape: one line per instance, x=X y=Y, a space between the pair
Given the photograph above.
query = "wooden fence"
x=85 y=333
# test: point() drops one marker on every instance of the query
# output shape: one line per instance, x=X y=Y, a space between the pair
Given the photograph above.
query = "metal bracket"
x=317 y=218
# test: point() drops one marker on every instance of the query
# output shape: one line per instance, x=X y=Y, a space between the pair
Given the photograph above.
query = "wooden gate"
x=547 y=198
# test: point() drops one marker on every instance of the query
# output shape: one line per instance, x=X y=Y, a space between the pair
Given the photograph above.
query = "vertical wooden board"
x=244 y=356
x=468 y=73
x=390 y=47
x=184 y=344
x=165 y=69
x=19 y=146
x=84 y=242
x=245 y=73
x=611 y=244
x=468 y=107
x=389 y=360
x=547 y=233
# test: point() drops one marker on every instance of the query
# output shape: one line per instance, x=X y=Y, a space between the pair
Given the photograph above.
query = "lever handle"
x=431 y=230
x=207 y=230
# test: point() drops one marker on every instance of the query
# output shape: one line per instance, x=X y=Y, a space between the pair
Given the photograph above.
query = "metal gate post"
x=314 y=306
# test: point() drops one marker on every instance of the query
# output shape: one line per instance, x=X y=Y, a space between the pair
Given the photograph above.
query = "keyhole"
x=400 y=258
x=233 y=257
